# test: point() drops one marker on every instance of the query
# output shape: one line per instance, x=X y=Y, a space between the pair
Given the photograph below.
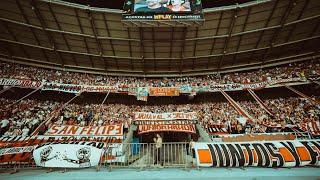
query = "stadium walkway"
x=202 y=174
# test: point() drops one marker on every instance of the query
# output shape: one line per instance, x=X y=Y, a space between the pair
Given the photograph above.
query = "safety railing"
x=143 y=155
x=129 y=155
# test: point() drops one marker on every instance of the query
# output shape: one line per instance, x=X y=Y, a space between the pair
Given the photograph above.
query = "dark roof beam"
x=227 y=39
x=265 y=26
x=93 y=28
x=84 y=38
x=108 y=32
x=154 y=49
x=63 y=36
x=130 y=49
x=298 y=18
x=275 y=35
x=240 y=38
x=171 y=42
x=31 y=29
x=214 y=40
x=4 y=24
x=43 y=26
x=195 y=47
x=182 y=48
x=142 y=50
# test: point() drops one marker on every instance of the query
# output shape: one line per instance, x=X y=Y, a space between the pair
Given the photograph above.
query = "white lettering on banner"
x=259 y=153
x=147 y=122
x=99 y=88
x=165 y=116
x=176 y=128
x=21 y=83
x=67 y=155
x=56 y=138
x=236 y=86
x=108 y=130
x=155 y=91
x=16 y=150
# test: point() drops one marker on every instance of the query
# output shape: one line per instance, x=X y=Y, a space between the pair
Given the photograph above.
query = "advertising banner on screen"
x=165 y=116
x=258 y=153
x=164 y=91
x=69 y=130
x=67 y=155
x=188 y=128
x=162 y=10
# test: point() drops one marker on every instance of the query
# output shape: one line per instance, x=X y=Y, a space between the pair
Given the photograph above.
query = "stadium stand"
x=136 y=84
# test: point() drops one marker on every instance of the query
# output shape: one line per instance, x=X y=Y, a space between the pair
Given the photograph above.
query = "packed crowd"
x=304 y=69
x=23 y=117
x=284 y=111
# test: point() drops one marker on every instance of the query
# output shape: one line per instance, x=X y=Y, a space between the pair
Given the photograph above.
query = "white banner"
x=67 y=155
x=20 y=83
x=258 y=153
x=70 y=130
x=16 y=150
x=165 y=116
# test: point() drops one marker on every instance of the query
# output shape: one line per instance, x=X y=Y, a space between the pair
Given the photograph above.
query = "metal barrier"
x=129 y=155
x=143 y=155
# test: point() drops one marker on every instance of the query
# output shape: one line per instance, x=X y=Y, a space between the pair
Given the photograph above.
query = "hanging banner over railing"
x=188 y=128
x=19 y=148
x=86 y=88
x=143 y=92
x=259 y=154
x=162 y=122
x=19 y=83
x=107 y=130
x=16 y=150
x=68 y=88
x=164 y=91
x=217 y=129
x=67 y=155
x=165 y=116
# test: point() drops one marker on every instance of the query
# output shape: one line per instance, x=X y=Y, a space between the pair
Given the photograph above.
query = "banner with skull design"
x=67 y=155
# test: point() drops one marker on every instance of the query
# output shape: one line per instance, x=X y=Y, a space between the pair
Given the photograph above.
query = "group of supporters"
x=22 y=118
x=17 y=71
x=290 y=111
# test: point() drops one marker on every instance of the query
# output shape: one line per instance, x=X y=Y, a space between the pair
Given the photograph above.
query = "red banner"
x=17 y=148
x=108 y=130
x=171 y=127
x=164 y=91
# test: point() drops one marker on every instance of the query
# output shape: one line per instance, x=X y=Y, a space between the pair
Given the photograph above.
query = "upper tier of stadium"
x=68 y=36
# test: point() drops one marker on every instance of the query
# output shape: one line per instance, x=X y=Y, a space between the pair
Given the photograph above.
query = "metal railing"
x=143 y=155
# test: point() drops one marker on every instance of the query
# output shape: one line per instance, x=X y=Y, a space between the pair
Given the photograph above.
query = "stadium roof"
x=60 y=34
